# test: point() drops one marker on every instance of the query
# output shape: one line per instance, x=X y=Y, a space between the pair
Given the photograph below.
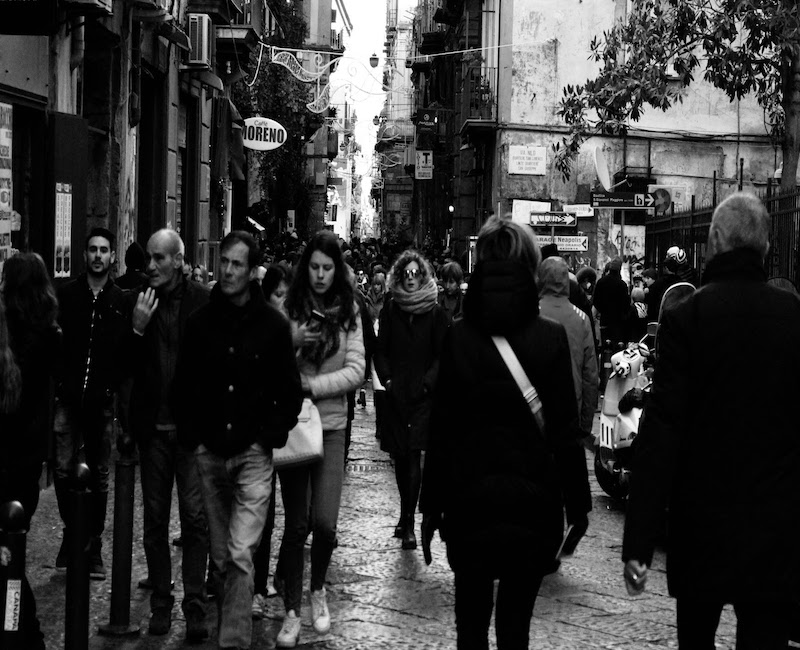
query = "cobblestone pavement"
x=382 y=597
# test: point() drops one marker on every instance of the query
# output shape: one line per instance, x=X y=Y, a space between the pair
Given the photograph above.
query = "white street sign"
x=571 y=243
x=423 y=170
x=552 y=219
x=580 y=210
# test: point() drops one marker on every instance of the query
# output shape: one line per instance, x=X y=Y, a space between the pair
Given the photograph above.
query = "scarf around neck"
x=420 y=301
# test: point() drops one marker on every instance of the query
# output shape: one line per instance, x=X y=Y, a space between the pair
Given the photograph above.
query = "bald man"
x=158 y=322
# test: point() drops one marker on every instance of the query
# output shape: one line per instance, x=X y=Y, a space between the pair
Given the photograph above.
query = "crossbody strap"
x=525 y=386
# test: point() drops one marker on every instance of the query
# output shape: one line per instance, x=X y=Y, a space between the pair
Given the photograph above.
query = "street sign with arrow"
x=553 y=219
x=625 y=200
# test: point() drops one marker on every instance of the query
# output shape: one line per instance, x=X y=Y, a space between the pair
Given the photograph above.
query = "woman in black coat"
x=491 y=482
x=412 y=328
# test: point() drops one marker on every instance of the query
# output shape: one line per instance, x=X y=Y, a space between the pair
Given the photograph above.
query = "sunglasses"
x=411 y=273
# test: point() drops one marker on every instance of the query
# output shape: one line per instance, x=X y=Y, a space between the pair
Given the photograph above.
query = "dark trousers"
x=262 y=554
x=164 y=462
x=759 y=625
x=516 y=595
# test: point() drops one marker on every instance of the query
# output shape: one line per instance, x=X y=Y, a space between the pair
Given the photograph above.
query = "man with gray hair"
x=158 y=324
x=719 y=445
x=554 y=285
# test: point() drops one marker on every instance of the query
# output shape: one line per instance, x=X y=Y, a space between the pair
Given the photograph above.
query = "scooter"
x=621 y=410
x=628 y=384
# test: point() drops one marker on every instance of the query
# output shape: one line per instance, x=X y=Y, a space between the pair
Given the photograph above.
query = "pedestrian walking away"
x=244 y=407
x=491 y=483
x=155 y=338
x=93 y=315
x=733 y=515
x=330 y=356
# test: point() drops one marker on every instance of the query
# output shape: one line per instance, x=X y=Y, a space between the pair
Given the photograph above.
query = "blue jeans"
x=83 y=436
x=236 y=491
x=164 y=462
x=325 y=480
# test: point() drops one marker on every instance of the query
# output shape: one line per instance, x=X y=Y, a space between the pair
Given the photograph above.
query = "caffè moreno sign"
x=28 y=17
x=262 y=133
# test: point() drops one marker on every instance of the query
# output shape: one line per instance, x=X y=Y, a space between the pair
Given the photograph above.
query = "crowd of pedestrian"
x=485 y=384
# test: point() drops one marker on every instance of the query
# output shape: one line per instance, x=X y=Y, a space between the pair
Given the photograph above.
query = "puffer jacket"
x=490 y=473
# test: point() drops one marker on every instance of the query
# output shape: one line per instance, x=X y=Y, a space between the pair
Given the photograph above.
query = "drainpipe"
x=77 y=43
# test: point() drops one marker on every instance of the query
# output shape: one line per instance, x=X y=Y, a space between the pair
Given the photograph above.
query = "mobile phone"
x=318 y=316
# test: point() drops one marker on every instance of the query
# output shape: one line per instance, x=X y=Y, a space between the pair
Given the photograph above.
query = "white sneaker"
x=320 y=616
x=259 y=605
x=290 y=631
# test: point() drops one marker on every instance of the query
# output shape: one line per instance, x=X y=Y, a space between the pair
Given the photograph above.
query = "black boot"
x=400 y=528
x=96 y=569
x=409 y=536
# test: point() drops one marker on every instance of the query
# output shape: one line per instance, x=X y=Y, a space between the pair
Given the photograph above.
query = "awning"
x=227 y=149
x=175 y=34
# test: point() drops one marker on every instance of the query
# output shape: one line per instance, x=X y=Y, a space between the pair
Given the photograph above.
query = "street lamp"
x=373 y=60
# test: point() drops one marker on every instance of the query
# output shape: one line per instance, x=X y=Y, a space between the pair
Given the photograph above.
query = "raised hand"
x=146 y=305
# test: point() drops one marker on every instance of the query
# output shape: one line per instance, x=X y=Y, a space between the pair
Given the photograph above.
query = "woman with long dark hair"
x=412 y=328
x=328 y=333
x=29 y=348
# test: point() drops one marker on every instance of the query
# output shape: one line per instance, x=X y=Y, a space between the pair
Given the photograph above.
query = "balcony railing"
x=481 y=88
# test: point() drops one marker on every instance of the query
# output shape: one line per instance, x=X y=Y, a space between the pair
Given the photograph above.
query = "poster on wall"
x=6 y=205
x=63 y=254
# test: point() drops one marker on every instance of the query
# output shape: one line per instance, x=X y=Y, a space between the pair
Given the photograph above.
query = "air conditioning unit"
x=201 y=32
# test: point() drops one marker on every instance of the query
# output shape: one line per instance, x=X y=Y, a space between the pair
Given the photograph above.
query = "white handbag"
x=304 y=444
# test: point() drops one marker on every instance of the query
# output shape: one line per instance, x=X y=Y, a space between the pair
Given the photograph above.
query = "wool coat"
x=407 y=353
x=490 y=473
x=719 y=441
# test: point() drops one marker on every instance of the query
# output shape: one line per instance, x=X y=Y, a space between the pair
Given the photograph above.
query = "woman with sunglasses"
x=412 y=329
x=328 y=333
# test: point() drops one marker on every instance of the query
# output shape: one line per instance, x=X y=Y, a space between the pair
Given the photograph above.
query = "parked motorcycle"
x=625 y=394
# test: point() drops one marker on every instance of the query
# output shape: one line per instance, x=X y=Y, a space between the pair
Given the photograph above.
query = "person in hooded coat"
x=491 y=482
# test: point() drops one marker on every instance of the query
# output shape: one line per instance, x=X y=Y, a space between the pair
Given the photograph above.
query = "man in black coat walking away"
x=719 y=445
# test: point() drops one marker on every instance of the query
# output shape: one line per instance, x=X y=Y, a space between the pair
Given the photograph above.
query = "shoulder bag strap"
x=526 y=388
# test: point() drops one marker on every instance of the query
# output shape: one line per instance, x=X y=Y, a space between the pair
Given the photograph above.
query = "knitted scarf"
x=420 y=301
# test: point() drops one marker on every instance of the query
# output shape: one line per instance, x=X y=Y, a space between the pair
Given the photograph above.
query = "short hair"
x=101 y=232
x=240 y=236
x=452 y=271
x=174 y=238
x=650 y=272
x=553 y=276
x=503 y=239
x=405 y=258
x=272 y=279
x=740 y=221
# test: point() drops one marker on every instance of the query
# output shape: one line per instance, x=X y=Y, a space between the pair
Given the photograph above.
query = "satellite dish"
x=601 y=167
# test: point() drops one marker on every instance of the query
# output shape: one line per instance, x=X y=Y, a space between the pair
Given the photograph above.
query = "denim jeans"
x=262 y=555
x=325 y=479
x=83 y=435
x=516 y=595
x=163 y=463
x=236 y=491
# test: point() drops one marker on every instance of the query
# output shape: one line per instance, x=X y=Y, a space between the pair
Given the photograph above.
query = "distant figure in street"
x=657 y=288
x=612 y=302
x=157 y=333
x=410 y=339
x=376 y=294
x=134 y=276
x=330 y=358
x=199 y=274
x=245 y=402
x=554 y=284
x=719 y=445
x=93 y=315
x=491 y=482
x=451 y=298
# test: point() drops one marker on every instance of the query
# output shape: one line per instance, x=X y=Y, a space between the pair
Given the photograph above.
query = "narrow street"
x=381 y=597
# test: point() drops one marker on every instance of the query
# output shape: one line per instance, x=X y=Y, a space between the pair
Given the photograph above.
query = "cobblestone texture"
x=382 y=597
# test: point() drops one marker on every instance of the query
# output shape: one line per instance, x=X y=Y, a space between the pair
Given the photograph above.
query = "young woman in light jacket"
x=330 y=357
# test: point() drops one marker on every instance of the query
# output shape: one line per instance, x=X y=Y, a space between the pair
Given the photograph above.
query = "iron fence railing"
x=689 y=230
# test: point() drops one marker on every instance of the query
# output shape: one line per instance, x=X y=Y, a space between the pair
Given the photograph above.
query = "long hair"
x=10 y=375
x=301 y=298
x=30 y=298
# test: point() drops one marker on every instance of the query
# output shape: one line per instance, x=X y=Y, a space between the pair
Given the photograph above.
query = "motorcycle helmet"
x=676 y=257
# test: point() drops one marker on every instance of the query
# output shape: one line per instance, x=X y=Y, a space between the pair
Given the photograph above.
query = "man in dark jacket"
x=719 y=445
x=613 y=303
x=92 y=316
x=154 y=341
x=239 y=394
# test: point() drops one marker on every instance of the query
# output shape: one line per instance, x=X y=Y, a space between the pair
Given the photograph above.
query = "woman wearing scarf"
x=412 y=329
x=331 y=363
